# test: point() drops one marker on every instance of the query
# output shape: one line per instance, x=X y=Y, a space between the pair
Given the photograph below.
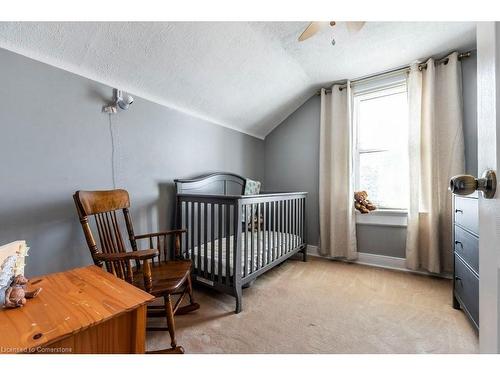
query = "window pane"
x=382 y=134
x=384 y=175
x=382 y=121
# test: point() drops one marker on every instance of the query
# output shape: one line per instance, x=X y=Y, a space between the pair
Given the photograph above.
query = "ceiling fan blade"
x=310 y=30
x=355 y=26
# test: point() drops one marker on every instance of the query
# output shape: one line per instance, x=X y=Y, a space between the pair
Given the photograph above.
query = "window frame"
x=392 y=86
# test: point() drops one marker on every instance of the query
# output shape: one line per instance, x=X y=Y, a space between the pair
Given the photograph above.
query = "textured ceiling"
x=247 y=76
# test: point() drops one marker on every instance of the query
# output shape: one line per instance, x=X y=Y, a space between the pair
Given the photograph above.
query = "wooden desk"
x=84 y=310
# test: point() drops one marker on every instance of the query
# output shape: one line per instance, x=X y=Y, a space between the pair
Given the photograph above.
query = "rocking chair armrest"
x=137 y=255
x=157 y=234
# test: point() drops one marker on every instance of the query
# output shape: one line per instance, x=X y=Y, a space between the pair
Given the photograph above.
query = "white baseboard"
x=375 y=260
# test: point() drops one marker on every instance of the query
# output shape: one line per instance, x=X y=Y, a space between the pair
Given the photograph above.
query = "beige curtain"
x=436 y=148
x=336 y=179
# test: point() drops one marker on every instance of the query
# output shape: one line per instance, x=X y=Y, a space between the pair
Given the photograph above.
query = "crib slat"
x=292 y=213
x=245 y=236
x=198 y=237
x=205 y=237
x=294 y=223
x=219 y=270
x=263 y=234
x=300 y=221
x=252 y=222
x=303 y=226
x=228 y=247
x=273 y=231
x=269 y=231
x=277 y=228
x=212 y=242
x=290 y=225
x=297 y=219
x=182 y=221
x=193 y=232
x=267 y=222
x=186 y=223
x=287 y=225
x=290 y=220
x=287 y=218
x=259 y=237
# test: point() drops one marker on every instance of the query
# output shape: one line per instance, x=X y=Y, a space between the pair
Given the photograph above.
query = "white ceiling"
x=248 y=76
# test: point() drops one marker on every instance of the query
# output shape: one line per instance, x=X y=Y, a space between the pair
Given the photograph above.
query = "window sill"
x=383 y=217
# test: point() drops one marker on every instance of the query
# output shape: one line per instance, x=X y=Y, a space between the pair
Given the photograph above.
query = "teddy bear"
x=16 y=294
x=361 y=202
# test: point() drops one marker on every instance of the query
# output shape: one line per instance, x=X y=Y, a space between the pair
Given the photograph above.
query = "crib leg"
x=304 y=254
x=239 y=299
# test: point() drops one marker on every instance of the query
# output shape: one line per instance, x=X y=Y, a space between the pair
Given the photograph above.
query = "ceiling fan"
x=315 y=26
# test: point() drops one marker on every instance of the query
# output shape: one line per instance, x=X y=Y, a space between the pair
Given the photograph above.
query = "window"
x=381 y=128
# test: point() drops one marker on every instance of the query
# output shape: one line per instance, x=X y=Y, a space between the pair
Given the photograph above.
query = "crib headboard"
x=220 y=183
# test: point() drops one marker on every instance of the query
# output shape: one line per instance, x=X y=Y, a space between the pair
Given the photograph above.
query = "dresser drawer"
x=467 y=246
x=466 y=213
x=467 y=289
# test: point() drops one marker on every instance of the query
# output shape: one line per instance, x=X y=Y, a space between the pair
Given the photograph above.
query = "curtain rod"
x=421 y=67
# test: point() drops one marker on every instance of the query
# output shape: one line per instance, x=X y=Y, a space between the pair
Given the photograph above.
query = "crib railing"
x=273 y=226
x=242 y=236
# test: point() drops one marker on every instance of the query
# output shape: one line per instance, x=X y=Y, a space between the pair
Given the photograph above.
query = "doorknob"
x=467 y=184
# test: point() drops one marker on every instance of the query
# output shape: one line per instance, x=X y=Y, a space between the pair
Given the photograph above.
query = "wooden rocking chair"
x=151 y=270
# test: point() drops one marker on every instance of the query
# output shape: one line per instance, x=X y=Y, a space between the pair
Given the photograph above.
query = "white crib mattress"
x=267 y=238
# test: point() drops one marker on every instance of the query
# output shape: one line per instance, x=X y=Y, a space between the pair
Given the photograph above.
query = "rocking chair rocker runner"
x=152 y=270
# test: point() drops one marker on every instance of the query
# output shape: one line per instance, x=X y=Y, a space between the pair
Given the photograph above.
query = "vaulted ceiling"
x=248 y=76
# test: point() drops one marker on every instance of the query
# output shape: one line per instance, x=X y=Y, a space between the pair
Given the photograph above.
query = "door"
x=488 y=91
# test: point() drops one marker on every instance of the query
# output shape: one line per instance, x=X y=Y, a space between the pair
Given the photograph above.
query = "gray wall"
x=54 y=140
x=292 y=161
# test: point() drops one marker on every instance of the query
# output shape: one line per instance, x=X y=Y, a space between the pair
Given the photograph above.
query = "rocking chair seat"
x=167 y=277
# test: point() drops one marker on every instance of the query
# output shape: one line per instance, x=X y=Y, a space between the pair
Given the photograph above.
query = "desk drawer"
x=467 y=246
x=467 y=289
x=466 y=213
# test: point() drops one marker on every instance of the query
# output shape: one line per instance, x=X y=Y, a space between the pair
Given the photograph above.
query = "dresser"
x=84 y=310
x=466 y=256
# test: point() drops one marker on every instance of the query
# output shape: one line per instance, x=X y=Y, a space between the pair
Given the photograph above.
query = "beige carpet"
x=323 y=306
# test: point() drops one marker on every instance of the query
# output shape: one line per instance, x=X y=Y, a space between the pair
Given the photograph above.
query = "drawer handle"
x=461 y=244
x=458 y=210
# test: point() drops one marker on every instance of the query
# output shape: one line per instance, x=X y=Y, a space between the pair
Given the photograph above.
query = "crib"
x=233 y=238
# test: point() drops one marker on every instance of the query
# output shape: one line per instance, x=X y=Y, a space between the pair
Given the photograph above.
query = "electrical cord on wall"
x=111 y=133
x=121 y=101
